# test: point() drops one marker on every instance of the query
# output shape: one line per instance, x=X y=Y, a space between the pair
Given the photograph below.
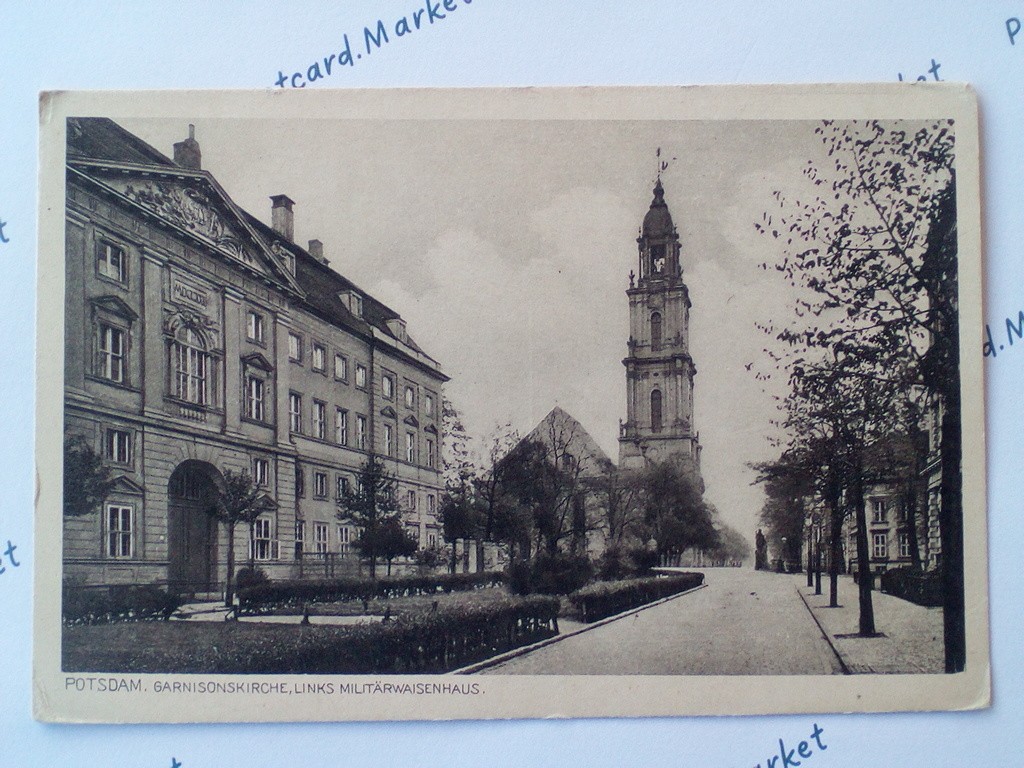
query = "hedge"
x=260 y=597
x=915 y=585
x=435 y=642
x=607 y=598
x=128 y=602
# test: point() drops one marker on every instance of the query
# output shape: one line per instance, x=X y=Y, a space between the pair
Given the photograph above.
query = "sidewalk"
x=911 y=640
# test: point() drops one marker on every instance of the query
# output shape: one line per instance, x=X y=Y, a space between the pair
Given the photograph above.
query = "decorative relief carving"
x=189 y=208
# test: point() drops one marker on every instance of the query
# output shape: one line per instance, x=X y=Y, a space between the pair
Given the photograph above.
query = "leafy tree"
x=87 y=481
x=459 y=510
x=674 y=512
x=875 y=251
x=239 y=500
x=370 y=506
x=619 y=494
x=393 y=541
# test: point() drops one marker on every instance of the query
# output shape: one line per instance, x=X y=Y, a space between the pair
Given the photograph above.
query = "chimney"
x=281 y=217
x=186 y=153
x=316 y=250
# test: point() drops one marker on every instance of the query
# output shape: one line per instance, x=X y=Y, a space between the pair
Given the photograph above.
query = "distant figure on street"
x=760 y=552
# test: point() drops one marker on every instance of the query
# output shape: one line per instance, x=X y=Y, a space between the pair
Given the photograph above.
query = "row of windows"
x=319 y=429
x=318 y=356
x=346 y=536
x=880 y=545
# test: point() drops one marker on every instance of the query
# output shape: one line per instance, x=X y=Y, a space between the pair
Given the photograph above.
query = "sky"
x=507 y=245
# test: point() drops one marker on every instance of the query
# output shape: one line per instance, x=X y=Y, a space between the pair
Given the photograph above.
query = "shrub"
x=560 y=574
x=250 y=577
x=127 y=602
x=264 y=596
x=607 y=598
x=617 y=563
x=519 y=577
x=913 y=584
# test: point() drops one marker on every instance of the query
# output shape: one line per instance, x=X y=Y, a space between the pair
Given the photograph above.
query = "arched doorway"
x=191 y=531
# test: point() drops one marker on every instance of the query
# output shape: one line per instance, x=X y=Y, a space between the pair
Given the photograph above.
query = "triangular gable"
x=115 y=306
x=124 y=484
x=195 y=204
x=431 y=429
x=256 y=360
x=411 y=421
x=389 y=412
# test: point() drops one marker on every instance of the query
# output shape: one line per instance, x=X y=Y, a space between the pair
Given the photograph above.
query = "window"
x=319 y=420
x=119 y=530
x=431 y=539
x=344 y=538
x=255 y=328
x=295 y=412
x=300 y=481
x=255 y=404
x=428 y=404
x=880 y=546
x=903 y=510
x=658 y=257
x=361 y=376
x=191 y=365
x=430 y=452
x=410 y=397
x=357 y=305
x=656 y=332
x=341 y=367
x=341 y=426
x=431 y=504
x=294 y=347
x=878 y=508
x=410 y=447
x=361 y=432
x=410 y=501
x=117 y=446
x=111 y=262
x=389 y=439
x=112 y=353
x=321 y=537
x=320 y=484
x=656 y=410
x=300 y=537
x=342 y=486
x=319 y=358
x=904 y=545
x=387 y=387
x=261 y=472
x=261 y=542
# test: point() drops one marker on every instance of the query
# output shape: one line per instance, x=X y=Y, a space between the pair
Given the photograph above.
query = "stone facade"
x=659 y=369
x=199 y=340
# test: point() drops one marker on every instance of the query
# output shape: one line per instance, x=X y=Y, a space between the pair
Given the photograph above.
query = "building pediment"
x=256 y=360
x=115 y=306
x=431 y=429
x=124 y=484
x=411 y=421
x=191 y=202
x=388 y=412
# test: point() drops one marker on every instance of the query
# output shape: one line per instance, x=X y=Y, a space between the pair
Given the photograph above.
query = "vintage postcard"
x=509 y=403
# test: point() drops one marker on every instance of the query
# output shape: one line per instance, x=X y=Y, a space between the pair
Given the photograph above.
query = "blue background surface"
x=93 y=45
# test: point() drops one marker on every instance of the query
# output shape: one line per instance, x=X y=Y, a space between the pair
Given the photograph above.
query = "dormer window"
x=352 y=301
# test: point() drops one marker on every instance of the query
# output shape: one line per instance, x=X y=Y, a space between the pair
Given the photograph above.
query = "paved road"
x=745 y=622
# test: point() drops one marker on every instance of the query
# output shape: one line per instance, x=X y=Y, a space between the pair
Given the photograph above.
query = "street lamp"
x=782 y=560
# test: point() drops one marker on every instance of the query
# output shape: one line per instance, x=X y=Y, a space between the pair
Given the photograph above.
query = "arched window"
x=655 y=332
x=190 y=363
x=656 y=410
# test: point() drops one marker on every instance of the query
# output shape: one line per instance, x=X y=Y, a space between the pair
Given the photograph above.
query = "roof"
x=562 y=432
x=658 y=221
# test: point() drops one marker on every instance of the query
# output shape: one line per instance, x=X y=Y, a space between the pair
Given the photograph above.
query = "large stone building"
x=659 y=369
x=199 y=340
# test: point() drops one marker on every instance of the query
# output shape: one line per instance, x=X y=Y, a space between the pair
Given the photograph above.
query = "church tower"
x=659 y=370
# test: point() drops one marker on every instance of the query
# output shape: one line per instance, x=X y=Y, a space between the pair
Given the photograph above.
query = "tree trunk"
x=952 y=533
x=867 y=612
x=835 y=543
x=810 y=555
x=228 y=587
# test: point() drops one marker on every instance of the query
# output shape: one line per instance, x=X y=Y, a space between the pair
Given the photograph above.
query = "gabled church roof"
x=560 y=431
